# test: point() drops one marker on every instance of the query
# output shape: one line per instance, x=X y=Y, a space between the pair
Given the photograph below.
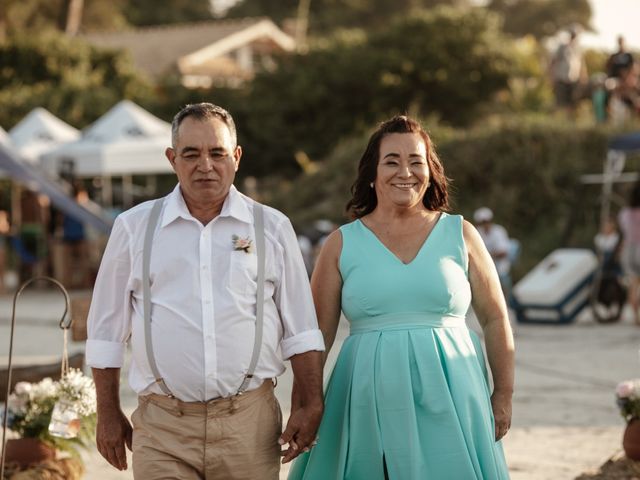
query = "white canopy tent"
x=40 y=132
x=4 y=138
x=125 y=141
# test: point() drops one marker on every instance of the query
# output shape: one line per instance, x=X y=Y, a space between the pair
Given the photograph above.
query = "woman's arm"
x=326 y=287
x=491 y=309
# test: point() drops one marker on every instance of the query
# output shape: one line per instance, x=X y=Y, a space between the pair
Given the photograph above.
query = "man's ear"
x=237 y=154
x=170 y=153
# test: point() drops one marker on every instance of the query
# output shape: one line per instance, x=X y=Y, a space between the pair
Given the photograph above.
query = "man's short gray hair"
x=203 y=111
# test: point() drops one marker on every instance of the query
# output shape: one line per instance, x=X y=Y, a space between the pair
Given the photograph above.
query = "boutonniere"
x=242 y=244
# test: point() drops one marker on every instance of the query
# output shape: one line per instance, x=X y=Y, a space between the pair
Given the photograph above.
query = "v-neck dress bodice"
x=376 y=283
x=409 y=391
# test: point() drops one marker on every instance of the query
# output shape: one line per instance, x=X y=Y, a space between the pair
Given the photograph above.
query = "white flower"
x=625 y=389
x=22 y=388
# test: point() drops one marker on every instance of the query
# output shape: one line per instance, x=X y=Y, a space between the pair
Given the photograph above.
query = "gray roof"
x=156 y=50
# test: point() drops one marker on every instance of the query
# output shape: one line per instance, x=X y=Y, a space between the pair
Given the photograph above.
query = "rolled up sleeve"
x=293 y=298
x=109 y=319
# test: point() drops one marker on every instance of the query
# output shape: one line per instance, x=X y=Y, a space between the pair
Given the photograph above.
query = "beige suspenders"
x=258 y=223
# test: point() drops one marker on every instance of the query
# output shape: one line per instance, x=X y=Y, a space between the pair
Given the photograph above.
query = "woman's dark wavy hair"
x=363 y=197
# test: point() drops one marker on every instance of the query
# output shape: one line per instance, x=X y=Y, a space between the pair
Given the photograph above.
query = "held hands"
x=501 y=405
x=302 y=426
x=301 y=430
x=112 y=433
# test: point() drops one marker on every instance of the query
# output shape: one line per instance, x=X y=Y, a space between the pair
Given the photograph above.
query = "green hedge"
x=527 y=171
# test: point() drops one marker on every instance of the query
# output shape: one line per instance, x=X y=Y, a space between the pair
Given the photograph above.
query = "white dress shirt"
x=203 y=299
x=496 y=240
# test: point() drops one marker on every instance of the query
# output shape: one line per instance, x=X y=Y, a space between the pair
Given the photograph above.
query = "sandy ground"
x=565 y=421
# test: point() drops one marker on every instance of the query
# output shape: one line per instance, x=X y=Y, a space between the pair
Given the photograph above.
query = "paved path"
x=565 y=419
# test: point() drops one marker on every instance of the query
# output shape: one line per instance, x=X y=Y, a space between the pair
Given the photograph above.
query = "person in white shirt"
x=204 y=413
x=496 y=240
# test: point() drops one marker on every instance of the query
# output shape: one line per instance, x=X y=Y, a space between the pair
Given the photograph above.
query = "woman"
x=408 y=397
x=629 y=220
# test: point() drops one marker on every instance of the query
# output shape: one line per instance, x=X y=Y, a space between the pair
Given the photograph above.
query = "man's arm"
x=113 y=430
x=108 y=327
x=302 y=343
x=306 y=404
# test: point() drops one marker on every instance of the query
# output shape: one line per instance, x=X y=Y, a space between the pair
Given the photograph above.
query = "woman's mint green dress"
x=409 y=390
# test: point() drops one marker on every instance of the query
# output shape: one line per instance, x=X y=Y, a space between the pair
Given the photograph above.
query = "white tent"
x=40 y=132
x=127 y=140
x=4 y=138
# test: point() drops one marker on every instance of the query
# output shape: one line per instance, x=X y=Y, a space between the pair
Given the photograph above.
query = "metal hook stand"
x=64 y=325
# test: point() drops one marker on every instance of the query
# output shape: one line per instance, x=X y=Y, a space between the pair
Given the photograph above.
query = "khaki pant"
x=220 y=439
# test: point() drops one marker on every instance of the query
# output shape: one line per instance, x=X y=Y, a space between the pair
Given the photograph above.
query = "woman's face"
x=402 y=175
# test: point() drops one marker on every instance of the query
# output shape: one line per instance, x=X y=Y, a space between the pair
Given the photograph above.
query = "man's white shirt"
x=497 y=241
x=203 y=297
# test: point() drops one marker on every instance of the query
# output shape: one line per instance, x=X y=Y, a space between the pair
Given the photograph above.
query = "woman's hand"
x=501 y=405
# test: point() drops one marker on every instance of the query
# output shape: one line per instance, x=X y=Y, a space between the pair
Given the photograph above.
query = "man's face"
x=205 y=160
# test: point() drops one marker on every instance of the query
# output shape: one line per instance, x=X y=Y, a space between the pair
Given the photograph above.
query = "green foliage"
x=527 y=171
x=71 y=79
x=38 y=15
x=152 y=12
x=328 y=15
x=541 y=18
x=443 y=63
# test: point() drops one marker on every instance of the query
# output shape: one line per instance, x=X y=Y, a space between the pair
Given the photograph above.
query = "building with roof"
x=225 y=52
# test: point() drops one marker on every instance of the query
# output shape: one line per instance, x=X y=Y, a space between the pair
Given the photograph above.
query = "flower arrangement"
x=71 y=401
x=628 y=399
x=242 y=244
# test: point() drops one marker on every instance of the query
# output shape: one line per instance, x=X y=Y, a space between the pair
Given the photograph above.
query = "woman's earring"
x=371 y=185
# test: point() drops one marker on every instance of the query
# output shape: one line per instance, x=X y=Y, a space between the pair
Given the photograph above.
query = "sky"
x=611 y=18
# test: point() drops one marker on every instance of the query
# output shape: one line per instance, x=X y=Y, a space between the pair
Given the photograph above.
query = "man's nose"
x=205 y=163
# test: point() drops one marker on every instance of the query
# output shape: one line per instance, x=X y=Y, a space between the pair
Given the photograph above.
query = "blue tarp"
x=626 y=143
x=37 y=181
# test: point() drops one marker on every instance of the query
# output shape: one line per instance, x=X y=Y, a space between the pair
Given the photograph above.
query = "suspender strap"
x=146 y=293
x=258 y=224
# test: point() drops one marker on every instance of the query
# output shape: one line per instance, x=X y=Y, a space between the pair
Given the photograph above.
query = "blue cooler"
x=557 y=289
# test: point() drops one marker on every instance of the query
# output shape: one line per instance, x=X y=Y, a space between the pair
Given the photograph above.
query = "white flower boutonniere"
x=242 y=244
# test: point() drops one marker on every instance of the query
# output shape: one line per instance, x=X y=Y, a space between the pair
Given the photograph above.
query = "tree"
x=152 y=12
x=541 y=18
x=328 y=15
x=71 y=79
x=20 y=16
x=447 y=63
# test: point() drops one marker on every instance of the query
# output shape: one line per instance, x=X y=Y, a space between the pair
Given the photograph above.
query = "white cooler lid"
x=556 y=276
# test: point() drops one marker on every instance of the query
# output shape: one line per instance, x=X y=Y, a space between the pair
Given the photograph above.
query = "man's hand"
x=301 y=430
x=307 y=405
x=501 y=404
x=113 y=430
x=112 y=433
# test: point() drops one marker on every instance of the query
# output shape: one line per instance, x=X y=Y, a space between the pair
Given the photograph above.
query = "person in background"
x=568 y=72
x=629 y=221
x=496 y=239
x=5 y=229
x=203 y=410
x=620 y=62
x=76 y=253
x=408 y=398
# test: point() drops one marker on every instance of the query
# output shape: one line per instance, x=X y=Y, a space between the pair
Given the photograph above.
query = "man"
x=192 y=421
x=496 y=240
x=568 y=71
x=620 y=62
